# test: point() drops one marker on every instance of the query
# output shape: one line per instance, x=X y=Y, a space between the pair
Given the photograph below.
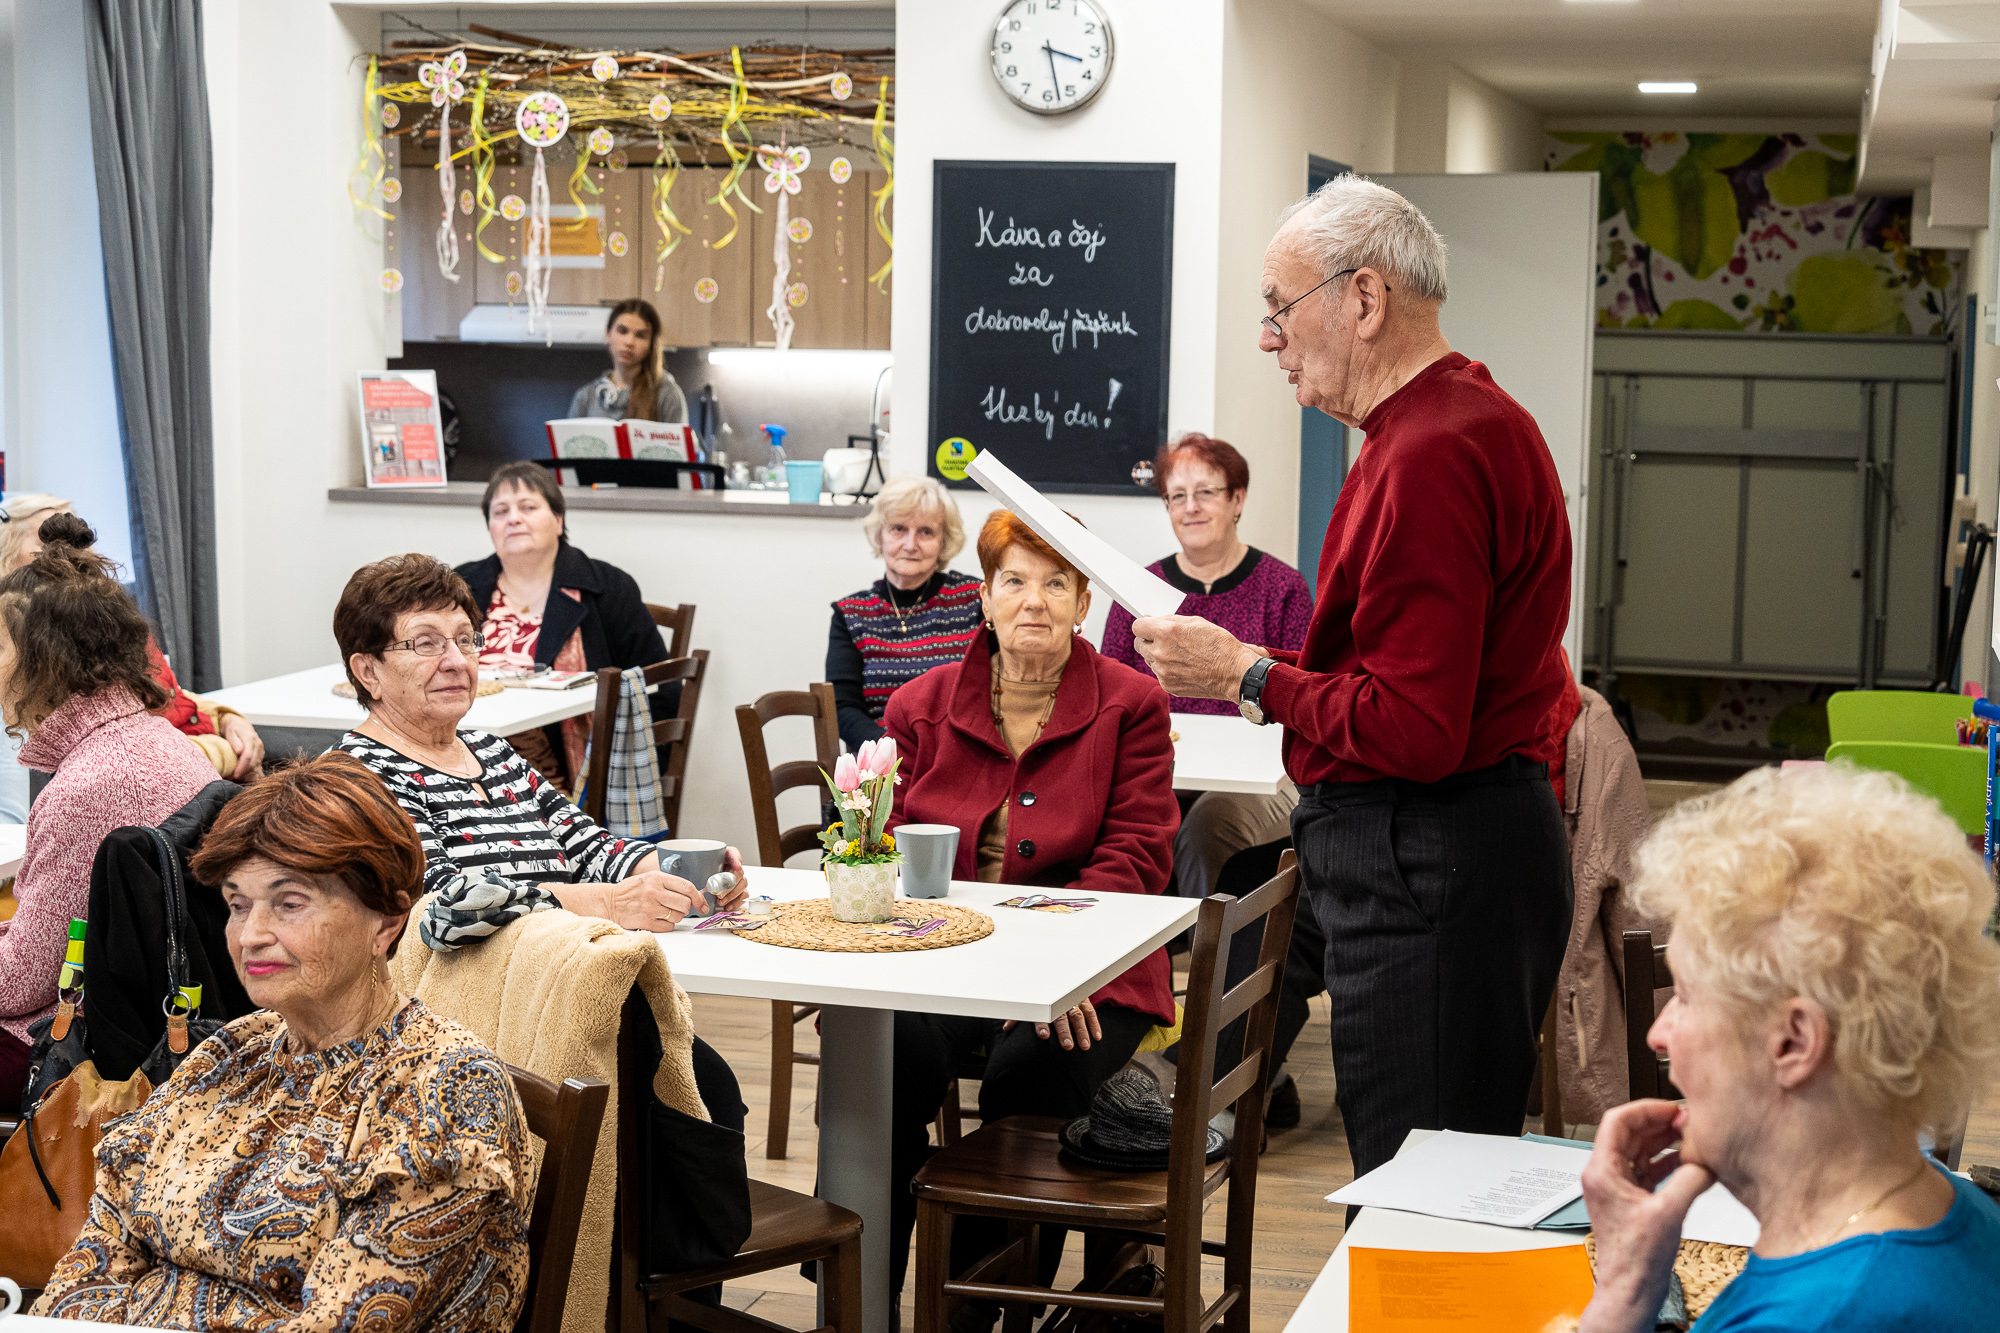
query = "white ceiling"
x=1781 y=59
x=1937 y=73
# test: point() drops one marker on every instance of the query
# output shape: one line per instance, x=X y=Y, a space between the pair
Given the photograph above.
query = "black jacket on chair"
x=125 y=948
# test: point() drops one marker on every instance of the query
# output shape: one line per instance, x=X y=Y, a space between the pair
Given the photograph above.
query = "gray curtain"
x=149 y=132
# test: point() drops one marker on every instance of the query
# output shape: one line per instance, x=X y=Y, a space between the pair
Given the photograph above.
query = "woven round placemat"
x=809 y=924
x=1705 y=1268
x=345 y=689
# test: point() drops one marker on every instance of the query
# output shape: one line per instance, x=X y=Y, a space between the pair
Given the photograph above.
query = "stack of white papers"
x=1473 y=1178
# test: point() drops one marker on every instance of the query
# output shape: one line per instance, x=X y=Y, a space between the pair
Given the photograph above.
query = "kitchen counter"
x=740 y=503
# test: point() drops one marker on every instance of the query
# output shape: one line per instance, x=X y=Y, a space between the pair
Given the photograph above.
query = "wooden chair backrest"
x=1645 y=972
x=678 y=621
x=676 y=732
x=774 y=844
x=566 y=1118
x=1198 y=1094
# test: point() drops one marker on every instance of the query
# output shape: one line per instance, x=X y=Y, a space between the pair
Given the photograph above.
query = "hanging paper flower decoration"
x=444 y=78
x=465 y=202
x=513 y=208
x=392 y=190
x=706 y=291
x=604 y=68
x=543 y=119
x=618 y=161
x=841 y=170
x=392 y=115
x=842 y=87
x=801 y=230
x=660 y=107
x=796 y=294
x=618 y=244
x=782 y=167
x=600 y=141
x=392 y=280
x=513 y=282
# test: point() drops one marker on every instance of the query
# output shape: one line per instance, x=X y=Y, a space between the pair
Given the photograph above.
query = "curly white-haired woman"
x=916 y=616
x=1835 y=994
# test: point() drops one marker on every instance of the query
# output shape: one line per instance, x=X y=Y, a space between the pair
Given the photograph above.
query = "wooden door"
x=588 y=270
x=827 y=247
x=432 y=306
x=703 y=292
x=875 y=296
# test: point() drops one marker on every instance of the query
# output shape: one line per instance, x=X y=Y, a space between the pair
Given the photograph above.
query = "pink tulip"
x=846 y=773
x=885 y=755
x=864 y=759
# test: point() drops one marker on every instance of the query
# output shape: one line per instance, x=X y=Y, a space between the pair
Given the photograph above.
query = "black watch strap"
x=1252 y=689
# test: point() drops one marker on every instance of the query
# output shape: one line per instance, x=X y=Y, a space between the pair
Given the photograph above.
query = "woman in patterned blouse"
x=341 y=1158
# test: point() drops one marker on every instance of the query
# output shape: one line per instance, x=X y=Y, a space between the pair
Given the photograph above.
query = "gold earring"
x=989 y=624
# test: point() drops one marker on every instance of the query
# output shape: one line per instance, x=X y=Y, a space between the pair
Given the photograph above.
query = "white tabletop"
x=306 y=699
x=13 y=844
x=1324 y=1310
x=1216 y=753
x=1033 y=966
x=23 y=1323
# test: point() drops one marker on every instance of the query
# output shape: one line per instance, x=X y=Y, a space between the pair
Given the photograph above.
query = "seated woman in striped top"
x=918 y=615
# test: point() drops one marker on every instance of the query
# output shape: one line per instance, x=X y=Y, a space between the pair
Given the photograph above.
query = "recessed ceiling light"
x=1666 y=87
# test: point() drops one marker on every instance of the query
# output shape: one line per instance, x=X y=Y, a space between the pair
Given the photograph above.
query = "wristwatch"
x=1252 y=691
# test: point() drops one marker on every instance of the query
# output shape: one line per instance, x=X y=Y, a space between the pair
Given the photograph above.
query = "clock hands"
x=1055 y=82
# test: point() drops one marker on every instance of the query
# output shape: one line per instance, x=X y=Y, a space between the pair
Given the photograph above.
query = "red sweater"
x=1092 y=800
x=1435 y=643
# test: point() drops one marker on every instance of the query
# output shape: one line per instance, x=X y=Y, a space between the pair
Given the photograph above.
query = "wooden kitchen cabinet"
x=432 y=306
x=588 y=270
x=696 y=268
x=828 y=268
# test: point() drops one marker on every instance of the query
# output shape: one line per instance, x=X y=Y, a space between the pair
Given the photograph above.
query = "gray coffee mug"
x=929 y=851
x=699 y=857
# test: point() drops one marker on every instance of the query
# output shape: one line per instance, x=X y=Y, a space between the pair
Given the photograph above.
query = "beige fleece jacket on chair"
x=546 y=993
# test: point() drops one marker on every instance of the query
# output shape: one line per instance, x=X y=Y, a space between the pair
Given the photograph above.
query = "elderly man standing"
x=1415 y=715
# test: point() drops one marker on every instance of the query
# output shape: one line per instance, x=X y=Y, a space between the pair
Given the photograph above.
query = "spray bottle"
x=775 y=468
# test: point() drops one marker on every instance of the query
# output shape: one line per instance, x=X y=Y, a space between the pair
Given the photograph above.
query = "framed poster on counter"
x=1051 y=295
x=402 y=433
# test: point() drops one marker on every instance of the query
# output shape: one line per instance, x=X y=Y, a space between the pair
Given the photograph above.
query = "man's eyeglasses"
x=1270 y=321
x=432 y=645
x=1205 y=496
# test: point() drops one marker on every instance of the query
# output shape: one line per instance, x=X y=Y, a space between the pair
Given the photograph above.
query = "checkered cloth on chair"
x=633 y=806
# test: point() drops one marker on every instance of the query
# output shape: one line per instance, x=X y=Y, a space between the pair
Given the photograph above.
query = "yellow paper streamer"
x=373 y=164
x=482 y=160
x=886 y=152
x=739 y=159
x=663 y=210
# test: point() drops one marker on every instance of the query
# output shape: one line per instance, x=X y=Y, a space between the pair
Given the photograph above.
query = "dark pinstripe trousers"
x=1445 y=908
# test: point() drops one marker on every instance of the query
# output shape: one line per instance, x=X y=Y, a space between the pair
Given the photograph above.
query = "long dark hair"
x=644 y=399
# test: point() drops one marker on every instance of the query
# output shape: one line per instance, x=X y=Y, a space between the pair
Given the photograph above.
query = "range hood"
x=568 y=325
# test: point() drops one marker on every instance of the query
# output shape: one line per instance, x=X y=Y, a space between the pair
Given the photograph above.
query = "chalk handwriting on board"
x=1025 y=273
x=1080 y=236
x=1069 y=328
x=1076 y=415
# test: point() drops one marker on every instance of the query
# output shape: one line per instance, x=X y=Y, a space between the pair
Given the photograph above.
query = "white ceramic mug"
x=10 y=1297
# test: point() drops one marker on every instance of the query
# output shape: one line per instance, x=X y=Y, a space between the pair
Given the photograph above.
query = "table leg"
x=856 y=1085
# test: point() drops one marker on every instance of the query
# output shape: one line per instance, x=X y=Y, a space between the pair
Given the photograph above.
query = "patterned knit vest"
x=895 y=651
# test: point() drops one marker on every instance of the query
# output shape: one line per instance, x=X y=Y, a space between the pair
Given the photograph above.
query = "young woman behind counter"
x=637 y=386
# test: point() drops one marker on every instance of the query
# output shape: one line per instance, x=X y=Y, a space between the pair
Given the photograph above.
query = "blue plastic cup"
x=802 y=479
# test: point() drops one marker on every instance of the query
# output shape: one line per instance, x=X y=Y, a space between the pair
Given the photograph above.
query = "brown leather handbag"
x=49 y=1168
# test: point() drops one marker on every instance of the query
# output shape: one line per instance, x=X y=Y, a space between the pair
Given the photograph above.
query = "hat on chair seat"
x=1130 y=1126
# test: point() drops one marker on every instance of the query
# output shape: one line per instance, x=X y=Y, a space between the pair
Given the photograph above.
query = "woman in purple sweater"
x=1258 y=597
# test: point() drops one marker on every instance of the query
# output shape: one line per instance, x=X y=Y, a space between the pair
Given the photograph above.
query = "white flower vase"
x=862 y=893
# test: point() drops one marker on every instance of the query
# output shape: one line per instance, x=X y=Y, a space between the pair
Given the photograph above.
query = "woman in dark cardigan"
x=548 y=604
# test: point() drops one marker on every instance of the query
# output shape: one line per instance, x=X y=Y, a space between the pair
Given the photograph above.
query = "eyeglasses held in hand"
x=1270 y=321
x=432 y=645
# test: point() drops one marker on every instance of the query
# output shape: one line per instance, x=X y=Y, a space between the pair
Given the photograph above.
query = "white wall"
x=60 y=398
x=1977 y=663
x=1341 y=105
x=1448 y=121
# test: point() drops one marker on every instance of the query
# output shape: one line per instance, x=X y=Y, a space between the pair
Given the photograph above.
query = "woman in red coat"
x=1054 y=764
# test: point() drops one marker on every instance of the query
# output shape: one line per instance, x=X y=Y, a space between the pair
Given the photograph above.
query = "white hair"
x=906 y=494
x=1351 y=223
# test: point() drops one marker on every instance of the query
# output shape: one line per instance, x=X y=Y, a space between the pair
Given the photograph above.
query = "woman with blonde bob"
x=1835 y=994
x=918 y=615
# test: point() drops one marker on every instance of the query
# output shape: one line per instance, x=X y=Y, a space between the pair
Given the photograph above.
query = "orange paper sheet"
x=1425 y=1291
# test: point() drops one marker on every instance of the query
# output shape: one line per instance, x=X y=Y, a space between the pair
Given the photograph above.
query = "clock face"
x=1051 y=56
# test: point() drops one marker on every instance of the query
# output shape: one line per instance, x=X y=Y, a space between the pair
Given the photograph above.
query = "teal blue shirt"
x=1938 y=1280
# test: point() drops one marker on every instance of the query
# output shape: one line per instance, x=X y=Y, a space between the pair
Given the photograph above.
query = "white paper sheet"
x=1130 y=584
x=1718 y=1216
x=1473 y=1178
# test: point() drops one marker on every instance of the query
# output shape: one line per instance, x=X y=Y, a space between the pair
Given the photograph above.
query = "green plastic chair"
x=1953 y=775
x=1896 y=715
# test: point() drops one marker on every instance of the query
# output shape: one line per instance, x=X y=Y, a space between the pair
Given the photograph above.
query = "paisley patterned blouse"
x=383 y=1184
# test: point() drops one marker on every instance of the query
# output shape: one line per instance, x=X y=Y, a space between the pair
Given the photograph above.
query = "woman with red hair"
x=1053 y=763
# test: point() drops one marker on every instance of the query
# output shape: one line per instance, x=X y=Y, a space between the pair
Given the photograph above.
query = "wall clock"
x=1051 y=56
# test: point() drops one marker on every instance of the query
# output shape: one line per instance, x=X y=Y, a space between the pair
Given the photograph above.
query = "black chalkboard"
x=1051 y=291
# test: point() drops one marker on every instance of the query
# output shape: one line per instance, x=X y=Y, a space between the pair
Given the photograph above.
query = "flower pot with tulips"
x=860 y=856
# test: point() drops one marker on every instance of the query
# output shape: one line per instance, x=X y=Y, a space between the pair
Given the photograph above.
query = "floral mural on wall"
x=1753 y=231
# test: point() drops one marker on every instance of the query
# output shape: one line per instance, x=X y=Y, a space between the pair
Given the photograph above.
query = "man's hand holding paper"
x=1193 y=658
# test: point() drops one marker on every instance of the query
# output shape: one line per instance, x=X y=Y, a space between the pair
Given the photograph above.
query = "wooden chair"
x=1014 y=1169
x=786 y=1229
x=678 y=621
x=1645 y=972
x=566 y=1119
x=775 y=845
x=676 y=732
